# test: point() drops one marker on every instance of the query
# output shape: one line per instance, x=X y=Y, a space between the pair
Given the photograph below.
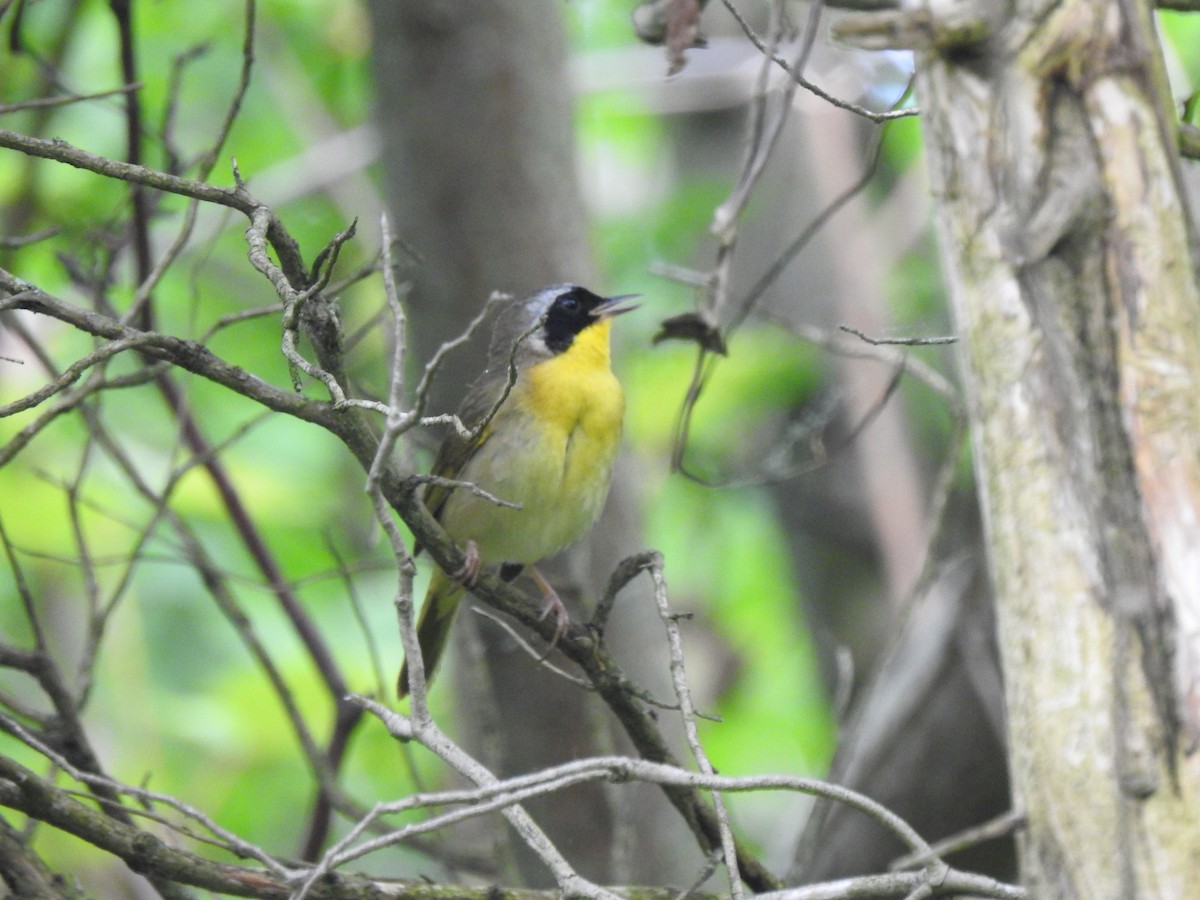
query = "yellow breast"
x=551 y=449
x=576 y=389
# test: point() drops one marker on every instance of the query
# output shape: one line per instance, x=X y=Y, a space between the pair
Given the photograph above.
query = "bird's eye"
x=568 y=303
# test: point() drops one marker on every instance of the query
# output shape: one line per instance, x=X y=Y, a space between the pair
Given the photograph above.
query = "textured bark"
x=1071 y=260
x=24 y=873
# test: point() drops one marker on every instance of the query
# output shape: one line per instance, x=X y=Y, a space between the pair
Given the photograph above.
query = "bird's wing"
x=456 y=450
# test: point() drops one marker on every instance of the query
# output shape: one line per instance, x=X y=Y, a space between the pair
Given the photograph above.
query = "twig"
x=538 y=656
x=951 y=883
x=71 y=374
x=765 y=135
x=380 y=466
x=244 y=315
x=54 y=102
x=351 y=590
x=687 y=713
x=209 y=160
x=903 y=342
x=510 y=381
x=626 y=570
x=1001 y=826
x=711 y=862
x=24 y=240
x=293 y=301
x=68 y=402
x=801 y=240
x=435 y=362
x=139 y=220
x=24 y=592
x=705 y=361
x=238 y=198
x=757 y=41
x=227 y=840
x=431 y=736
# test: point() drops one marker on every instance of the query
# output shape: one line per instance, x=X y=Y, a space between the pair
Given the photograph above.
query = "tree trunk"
x=1071 y=261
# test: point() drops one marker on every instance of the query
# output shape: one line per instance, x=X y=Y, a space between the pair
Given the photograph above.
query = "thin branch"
x=539 y=656
x=237 y=198
x=22 y=789
x=801 y=240
x=209 y=159
x=188 y=355
x=225 y=839
x=26 y=595
x=951 y=883
x=626 y=570
x=59 y=150
x=765 y=135
x=139 y=221
x=244 y=315
x=71 y=400
x=351 y=589
x=796 y=74
x=423 y=729
x=1001 y=826
x=903 y=342
x=55 y=102
x=705 y=361
x=25 y=240
x=688 y=715
x=72 y=374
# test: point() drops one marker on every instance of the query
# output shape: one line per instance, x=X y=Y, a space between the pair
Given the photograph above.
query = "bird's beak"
x=615 y=306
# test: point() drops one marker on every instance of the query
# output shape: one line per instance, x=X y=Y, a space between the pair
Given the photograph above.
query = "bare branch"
x=188 y=355
x=71 y=374
x=238 y=198
x=903 y=342
x=423 y=729
x=688 y=715
x=795 y=72
x=54 y=102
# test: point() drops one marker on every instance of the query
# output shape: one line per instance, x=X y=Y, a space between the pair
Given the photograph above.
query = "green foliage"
x=1182 y=33
x=901 y=151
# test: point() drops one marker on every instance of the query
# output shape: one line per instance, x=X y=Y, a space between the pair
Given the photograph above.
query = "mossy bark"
x=1072 y=263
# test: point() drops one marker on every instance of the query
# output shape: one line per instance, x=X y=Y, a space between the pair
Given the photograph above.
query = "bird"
x=545 y=419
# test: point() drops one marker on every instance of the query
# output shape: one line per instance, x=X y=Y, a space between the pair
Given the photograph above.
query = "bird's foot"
x=468 y=573
x=554 y=605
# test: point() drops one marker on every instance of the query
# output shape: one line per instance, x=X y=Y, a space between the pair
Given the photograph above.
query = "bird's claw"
x=561 y=621
x=468 y=573
x=554 y=605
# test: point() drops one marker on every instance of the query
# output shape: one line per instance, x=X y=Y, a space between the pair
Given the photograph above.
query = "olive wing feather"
x=456 y=450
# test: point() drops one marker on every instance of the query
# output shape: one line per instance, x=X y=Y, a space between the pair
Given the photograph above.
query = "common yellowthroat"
x=549 y=448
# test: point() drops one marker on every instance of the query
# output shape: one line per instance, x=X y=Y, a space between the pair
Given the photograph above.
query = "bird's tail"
x=433 y=628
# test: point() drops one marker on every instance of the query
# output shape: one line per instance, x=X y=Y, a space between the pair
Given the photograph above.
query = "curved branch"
x=237 y=198
x=189 y=355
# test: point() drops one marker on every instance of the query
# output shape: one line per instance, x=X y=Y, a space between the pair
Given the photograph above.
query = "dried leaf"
x=692 y=327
